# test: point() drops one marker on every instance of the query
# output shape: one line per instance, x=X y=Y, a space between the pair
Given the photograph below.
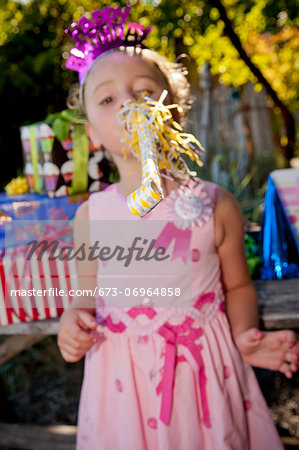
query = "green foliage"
x=62 y=121
x=36 y=30
x=34 y=47
x=249 y=196
x=252 y=251
x=245 y=188
x=271 y=40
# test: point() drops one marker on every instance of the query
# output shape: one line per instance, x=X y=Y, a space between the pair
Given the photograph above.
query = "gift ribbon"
x=182 y=239
x=80 y=158
x=165 y=387
x=34 y=158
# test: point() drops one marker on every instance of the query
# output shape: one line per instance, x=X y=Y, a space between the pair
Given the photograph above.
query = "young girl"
x=156 y=378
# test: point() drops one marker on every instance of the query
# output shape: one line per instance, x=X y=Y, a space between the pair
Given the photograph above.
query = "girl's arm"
x=241 y=298
x=77 y=324
x=276 y=350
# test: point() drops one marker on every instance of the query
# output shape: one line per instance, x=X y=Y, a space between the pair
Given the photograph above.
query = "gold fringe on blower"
x=158 y=142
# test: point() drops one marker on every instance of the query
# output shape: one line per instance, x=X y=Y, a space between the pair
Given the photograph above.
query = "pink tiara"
x=105 y=32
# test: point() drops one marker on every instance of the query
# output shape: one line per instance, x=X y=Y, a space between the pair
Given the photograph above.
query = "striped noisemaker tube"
x=159 y=143
x=150 y=193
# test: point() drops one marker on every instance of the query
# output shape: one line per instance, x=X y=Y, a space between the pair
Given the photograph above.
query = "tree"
x=243 y=41
x=287 y=115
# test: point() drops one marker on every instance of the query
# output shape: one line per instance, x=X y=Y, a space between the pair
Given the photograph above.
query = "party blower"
x=158 y=142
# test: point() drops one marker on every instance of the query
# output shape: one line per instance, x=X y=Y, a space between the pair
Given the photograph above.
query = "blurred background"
x=241 y=56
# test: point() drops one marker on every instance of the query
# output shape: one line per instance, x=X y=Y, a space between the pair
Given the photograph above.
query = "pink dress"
x=171 y=378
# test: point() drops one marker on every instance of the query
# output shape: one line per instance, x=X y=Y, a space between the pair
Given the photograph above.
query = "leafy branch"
x=286 y=114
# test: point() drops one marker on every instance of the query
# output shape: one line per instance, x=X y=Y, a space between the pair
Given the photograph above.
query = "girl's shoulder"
x=107 y=204
x=82 y=211
x=226 y=202
x=103 y=194
x=228 y=217
x=210 y=186
x=95 y=199
x=210 y=189
x=224 y=199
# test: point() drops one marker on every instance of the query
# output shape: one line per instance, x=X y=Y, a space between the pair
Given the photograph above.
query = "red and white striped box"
x=35 y=288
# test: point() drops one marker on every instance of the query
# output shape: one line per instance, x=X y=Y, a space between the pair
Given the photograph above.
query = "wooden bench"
x=278 y=303
x=61 y=437
x=37 y=437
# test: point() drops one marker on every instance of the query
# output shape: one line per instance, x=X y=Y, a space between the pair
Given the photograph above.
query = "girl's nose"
x=128 y=97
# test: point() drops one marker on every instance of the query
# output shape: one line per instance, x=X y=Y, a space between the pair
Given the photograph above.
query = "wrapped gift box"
x=45 y=282
x=34 y=289
x=59 y=167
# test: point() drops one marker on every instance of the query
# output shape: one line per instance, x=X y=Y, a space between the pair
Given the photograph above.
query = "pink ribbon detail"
x=208 y=297
x=182 y=240
x=173 y=336
x=165 y=387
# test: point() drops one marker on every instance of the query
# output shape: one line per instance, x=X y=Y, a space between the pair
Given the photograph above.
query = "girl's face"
x=115 y=78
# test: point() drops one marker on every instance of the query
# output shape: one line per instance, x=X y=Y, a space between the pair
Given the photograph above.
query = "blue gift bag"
x=280 y=247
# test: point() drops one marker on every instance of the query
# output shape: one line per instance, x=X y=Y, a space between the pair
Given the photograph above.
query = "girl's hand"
x=275 y=350
x=76 y=334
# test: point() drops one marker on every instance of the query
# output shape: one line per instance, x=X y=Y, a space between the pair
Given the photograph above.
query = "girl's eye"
x=106 y=101
x=147 y=92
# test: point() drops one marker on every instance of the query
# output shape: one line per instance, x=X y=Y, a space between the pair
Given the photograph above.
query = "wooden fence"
x=234 y=126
